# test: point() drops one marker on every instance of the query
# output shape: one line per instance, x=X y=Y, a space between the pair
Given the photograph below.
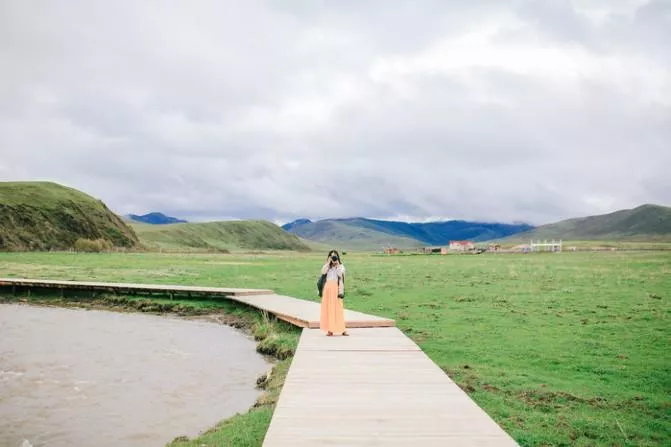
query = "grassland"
x=560 y=349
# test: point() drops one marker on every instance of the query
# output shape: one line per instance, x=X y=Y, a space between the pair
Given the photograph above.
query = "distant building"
x=392 y=251
x=494 y=247
x=461 y=245
x=436 y=250
x=553 y=246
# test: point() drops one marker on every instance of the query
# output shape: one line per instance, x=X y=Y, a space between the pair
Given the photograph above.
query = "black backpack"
x=320 y=284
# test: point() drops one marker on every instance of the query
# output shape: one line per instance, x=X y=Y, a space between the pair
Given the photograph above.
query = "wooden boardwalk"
x=373 y=388
x=305 y=314
x=301 y=313
x=130 y=289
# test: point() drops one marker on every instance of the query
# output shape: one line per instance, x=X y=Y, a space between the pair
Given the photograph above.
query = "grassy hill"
x=257 y=235
x=367 y=234
x=342 y=234
x=44 y=216
x=645 y=223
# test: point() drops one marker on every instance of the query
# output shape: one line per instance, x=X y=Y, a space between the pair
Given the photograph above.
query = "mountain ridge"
x=360 y=232
x=155 y=218
x=295 y=223
x=644 y=222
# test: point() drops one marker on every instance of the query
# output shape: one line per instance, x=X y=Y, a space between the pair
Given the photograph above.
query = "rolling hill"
x=340 y=234
x=45 y=216
x=234 y=235
x=155 y=219
x=644 y=223
x=366 y=234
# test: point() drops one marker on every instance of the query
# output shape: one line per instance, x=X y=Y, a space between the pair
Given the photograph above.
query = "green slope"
x=346 y=235
x=318 y=246
x=645 y=223
x=45 y=215
x=235 y=235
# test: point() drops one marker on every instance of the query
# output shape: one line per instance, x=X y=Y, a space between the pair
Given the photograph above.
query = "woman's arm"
x=341 y=285
x=325 y=269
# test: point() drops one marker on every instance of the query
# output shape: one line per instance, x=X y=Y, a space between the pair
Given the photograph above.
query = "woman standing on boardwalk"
x=332 y=318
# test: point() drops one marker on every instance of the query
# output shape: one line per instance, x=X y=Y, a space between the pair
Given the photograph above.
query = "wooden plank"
x=375 y=387
x=128 y=287
x=306 y=313
x=302 y=313
x=383 y=339
x=294 y=321
x=383 y=440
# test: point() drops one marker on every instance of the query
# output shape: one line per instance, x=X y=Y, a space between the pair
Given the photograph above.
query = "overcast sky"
x=495 y=110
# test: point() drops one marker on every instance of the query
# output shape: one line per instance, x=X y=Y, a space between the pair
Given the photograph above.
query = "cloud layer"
x=530 y=110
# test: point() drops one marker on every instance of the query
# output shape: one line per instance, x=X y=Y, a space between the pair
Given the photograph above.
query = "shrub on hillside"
x=93 y=246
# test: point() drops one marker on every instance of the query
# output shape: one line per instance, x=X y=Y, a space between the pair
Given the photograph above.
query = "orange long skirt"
x=332 y=310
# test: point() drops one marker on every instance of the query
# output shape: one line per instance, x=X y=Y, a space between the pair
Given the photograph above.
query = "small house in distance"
x=461 y=245
x=391 y=251
x=436 y=250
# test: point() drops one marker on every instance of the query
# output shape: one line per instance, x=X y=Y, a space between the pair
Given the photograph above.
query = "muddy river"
x=81 y=378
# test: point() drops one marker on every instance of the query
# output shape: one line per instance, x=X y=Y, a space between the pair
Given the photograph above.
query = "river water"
x=73 y=377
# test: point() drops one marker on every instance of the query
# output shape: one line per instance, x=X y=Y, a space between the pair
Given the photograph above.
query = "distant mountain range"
x=48 y=216
x=155 y=219
x=362 y=233
x=644 y=223
x=296 y=223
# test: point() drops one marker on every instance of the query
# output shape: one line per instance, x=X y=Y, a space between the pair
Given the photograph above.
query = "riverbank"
x=274 y=338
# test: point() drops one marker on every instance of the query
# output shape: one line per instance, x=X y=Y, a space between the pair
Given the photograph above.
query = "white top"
x=333 y=273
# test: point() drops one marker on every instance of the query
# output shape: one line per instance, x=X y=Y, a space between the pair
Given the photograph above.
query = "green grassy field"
x=560 y=349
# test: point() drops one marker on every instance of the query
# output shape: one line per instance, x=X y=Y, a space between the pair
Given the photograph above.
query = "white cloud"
x=494 y=110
